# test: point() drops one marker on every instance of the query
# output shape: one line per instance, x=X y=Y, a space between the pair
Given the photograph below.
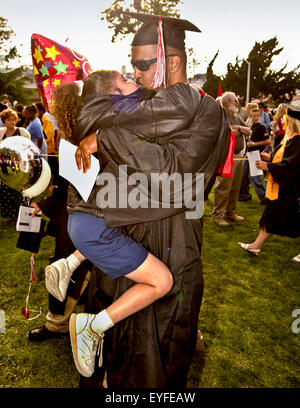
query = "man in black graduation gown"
x=154 y=347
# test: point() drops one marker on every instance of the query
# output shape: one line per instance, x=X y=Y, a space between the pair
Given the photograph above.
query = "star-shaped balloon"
x=53 y=65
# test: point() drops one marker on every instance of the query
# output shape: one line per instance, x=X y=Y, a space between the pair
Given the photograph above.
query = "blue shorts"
x=107 y=248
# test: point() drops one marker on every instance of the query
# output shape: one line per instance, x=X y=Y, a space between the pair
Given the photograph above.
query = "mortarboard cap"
x=293 y=111
x=174 y=30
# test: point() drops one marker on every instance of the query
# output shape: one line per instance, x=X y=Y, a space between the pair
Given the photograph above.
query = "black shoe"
x=263 y=202
x=91 y=382
x=245 y=198
x=42 y=333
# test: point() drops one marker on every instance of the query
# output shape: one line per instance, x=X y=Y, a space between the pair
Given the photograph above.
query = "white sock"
x=102 y=322
x=73 y=262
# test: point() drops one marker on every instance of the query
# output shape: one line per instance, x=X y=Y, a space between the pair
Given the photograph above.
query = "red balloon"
x=53 y=65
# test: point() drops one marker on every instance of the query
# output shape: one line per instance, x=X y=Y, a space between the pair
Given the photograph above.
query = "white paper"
x=253 y=157
x=26 y=222
x=83 y=182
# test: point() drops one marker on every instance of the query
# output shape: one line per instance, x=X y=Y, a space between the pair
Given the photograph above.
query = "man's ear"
x=174 y=64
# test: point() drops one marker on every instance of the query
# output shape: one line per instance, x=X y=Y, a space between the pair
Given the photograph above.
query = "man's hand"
x=261 y=165
x=235 y=130
x=265 y=156
x=244 y=130
x=36 y=209
x=86 y=147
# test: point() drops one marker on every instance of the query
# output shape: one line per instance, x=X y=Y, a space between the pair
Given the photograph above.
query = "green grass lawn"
x=246 y=314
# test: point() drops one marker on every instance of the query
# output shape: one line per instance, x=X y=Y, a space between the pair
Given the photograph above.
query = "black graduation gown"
x=282 y=216
x=154 y=347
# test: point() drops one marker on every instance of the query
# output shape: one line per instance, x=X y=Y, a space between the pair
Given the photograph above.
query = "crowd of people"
x=274 y=133
x=141 y=267
x=34 y=123
x=31 y=121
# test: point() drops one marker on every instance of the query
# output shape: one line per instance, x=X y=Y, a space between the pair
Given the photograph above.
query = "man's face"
x=233 y=106
x=255 y=117
x=144 y=52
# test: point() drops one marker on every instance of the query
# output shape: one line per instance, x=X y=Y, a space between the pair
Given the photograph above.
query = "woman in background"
x=35 y=129
x=19 y=108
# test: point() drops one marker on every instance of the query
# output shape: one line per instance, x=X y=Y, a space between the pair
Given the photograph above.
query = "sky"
x=231 y=26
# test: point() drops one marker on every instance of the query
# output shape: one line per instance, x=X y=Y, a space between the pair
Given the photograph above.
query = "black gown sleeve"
x=185 y=151
x=52 y=205
x=167 y=112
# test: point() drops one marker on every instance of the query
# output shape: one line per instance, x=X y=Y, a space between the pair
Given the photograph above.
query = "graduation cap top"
x=293 y=111
x=174 y=30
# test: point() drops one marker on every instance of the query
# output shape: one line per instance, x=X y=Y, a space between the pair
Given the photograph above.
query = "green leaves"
x=123 y=25
x=212 y=81
x=13 y=83
x=6 y=49
x=278 y=86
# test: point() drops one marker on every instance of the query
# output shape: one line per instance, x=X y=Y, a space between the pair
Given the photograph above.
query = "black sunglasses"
x=144 y=65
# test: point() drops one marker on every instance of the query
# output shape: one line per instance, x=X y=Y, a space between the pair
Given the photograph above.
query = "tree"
x=6 y=33
x=277 y=86
x=13 y=81
x=284 y=85
x=123 y=25
x=212 y=81
x=193 y=62
x=235 y=79
x=13 y=84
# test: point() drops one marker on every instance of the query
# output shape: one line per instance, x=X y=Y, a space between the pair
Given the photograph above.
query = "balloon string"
x=26 y=311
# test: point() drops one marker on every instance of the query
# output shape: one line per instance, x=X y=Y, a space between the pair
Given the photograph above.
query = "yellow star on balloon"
x=45 y=83
x=38 y=56
x=76 y=63
x=52 y=53
x=56 y=82
x=35 y=71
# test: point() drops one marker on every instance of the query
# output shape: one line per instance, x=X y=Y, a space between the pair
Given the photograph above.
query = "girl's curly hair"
x=67 y=101
x=66 y=105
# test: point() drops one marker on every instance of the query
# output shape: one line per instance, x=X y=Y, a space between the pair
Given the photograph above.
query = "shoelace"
x=99 y=351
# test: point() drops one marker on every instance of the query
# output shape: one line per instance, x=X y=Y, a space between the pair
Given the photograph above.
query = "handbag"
x=30 y=241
